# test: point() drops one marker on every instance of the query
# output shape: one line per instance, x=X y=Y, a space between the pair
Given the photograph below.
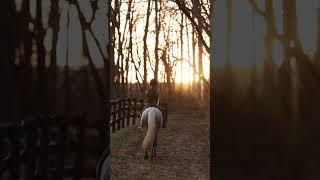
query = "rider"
x=152 y=97
x=153 y=94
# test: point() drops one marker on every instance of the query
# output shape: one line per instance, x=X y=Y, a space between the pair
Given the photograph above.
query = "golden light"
x=171 y=23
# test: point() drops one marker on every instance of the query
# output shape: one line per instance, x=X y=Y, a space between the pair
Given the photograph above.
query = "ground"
x=183 y=150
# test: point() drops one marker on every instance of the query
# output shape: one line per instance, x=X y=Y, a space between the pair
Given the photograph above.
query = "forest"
x=63 y=61
x=65 y=54
x=60 y=57
x=269 y=80
x=164 y=40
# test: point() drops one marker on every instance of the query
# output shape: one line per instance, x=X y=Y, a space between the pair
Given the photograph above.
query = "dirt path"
x=183 y=151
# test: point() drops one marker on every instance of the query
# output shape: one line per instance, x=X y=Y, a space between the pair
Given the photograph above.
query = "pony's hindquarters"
x=151 y=131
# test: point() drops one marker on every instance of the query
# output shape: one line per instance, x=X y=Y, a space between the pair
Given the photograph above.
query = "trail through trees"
x=183 y=151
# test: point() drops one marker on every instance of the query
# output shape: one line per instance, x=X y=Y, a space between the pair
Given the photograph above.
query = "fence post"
x=30 y=151
x=113 y=113
x=118 y=114
x=15 y=159
x=129 y=111
x=123 y=111
x=44 y=141
x=60 y=152
x=78 y=167
x=134 y=111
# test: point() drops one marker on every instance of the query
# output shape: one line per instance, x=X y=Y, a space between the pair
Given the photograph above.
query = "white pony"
x=152 y=120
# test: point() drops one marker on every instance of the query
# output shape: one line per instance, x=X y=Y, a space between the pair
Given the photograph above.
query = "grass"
x=119 y=136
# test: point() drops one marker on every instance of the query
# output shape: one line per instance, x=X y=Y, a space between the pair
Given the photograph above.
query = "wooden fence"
x=47 y=148
x=56 y=147
x=124 y=110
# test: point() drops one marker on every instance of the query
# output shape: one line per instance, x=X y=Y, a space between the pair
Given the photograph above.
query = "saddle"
x=151 y=105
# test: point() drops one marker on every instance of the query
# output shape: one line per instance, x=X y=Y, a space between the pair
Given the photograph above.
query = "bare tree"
x=7 y=57
x=200 y=26
x=317 y=52
x=145 y=48
x=194 y=56
x=26 y=59
x=157 y=25
x=54 y=24
x=100 y=86
x=42 y=75
x=181 y=46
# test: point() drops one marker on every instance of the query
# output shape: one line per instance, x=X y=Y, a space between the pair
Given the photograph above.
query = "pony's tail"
x=151 y=132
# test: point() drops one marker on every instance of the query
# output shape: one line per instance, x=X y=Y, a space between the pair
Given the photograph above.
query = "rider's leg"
x=140 y=122
x=164 y=118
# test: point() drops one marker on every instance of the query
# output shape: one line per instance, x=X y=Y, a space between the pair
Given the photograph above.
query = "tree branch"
x=256 y=8
x=186 y=11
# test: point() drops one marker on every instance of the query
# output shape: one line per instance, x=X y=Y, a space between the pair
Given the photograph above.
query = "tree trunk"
x=145 y=73
x=27 y=81
x=120 y=52
x=7 y=15
x=157 y=25
x=289 y=26
x=97 y=79
x=130 y=54
x=129 y=18
x=181 y=51
x=54 y=23
x=194 y=57
x=116 y=23
x=42 y=75
x=229 y=32
x=113 y=67
x=252 y=92
x=66 y=71
x=228 y=79
x=316 y=56
x=189 y=57
x=200 y=50
x=269 y=73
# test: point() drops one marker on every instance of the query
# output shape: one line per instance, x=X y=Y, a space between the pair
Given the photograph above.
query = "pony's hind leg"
x=151 y=154
x=146 y=156
x=154 y=149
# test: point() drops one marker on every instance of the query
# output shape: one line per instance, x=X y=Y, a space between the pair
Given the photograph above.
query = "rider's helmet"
x=153 y=83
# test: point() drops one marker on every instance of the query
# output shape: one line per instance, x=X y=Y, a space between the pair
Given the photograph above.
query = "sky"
x=243 y=40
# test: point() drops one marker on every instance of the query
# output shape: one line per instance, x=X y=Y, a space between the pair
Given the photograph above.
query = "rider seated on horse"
x=152 y=97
